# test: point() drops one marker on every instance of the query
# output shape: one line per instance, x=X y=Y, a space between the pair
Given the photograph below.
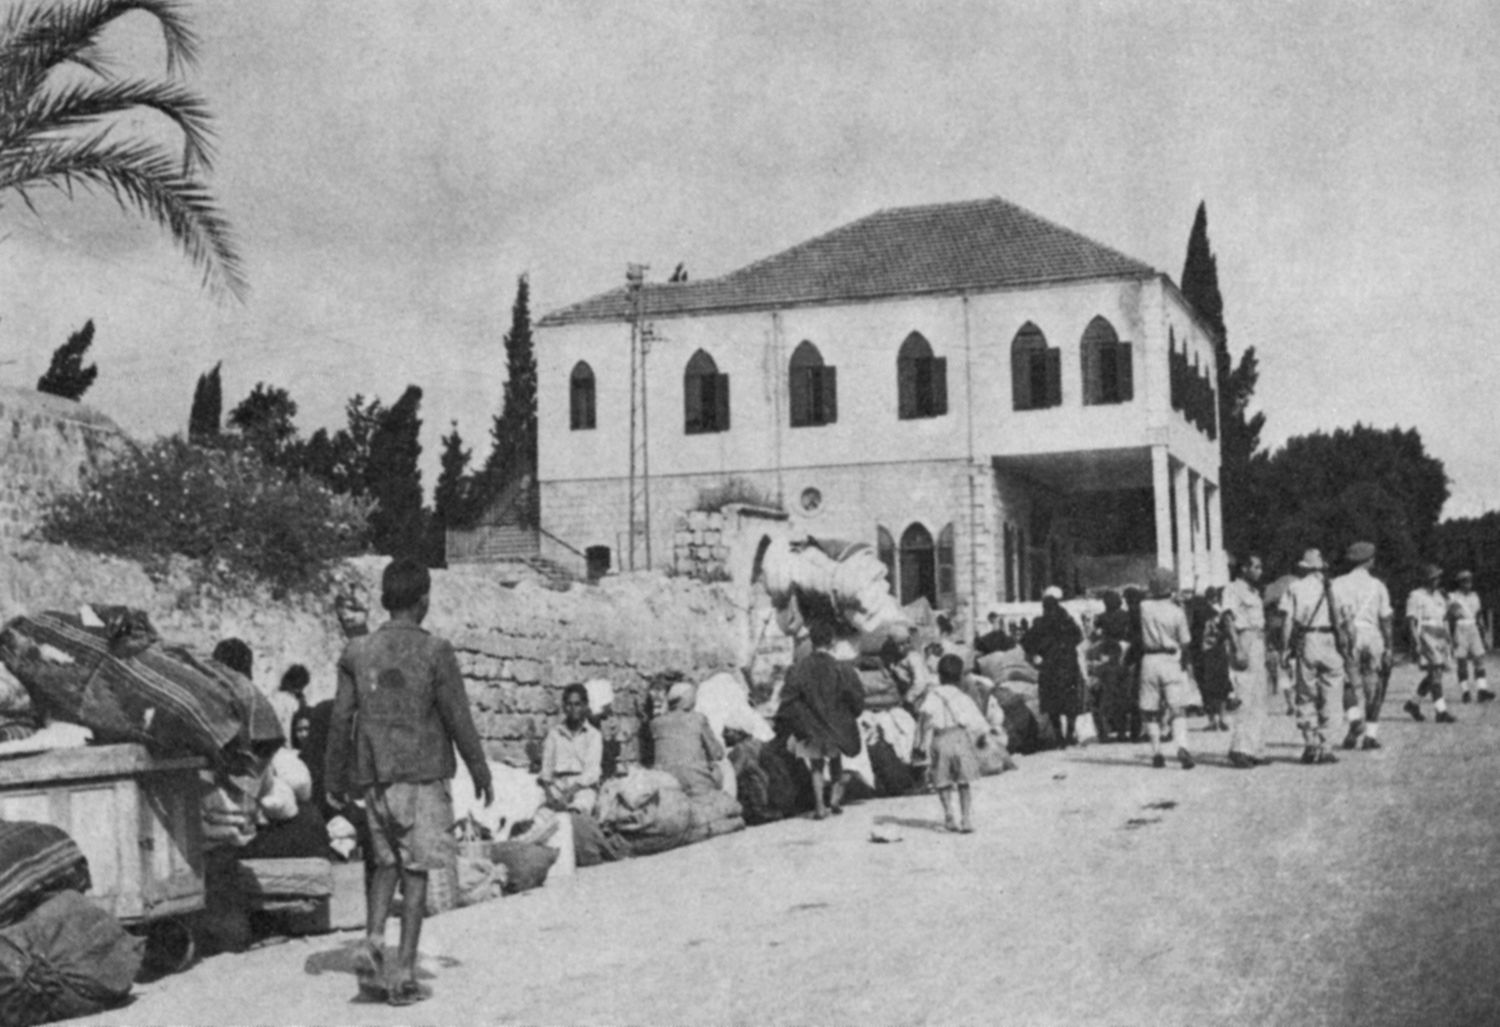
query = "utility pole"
x=639 y=487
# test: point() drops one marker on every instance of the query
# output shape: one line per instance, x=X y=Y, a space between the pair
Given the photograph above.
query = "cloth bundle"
x=68 y=958
x=107 y=669
x=847 y=575
x=37 y=860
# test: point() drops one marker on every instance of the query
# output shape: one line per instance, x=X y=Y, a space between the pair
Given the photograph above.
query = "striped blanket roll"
x=36 y=861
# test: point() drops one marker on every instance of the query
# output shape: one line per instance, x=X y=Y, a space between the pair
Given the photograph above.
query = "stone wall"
x=46 y=445
x=517 y=646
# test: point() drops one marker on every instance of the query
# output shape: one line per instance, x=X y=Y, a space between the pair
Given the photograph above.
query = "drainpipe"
x=970 y=471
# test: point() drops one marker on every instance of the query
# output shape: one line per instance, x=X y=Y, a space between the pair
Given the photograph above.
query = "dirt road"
x=1096 y=891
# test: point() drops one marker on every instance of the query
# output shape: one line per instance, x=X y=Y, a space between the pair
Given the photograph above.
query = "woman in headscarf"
x=820 y=706
x=1053 y=641
x=684 y=745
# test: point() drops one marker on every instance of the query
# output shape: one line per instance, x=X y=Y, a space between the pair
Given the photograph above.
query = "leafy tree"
x=66 y=376
x=67 y=121
x=513 y=432
x=264 y=420
x=1327 y=490
x=208 y=408
x=241 y=519
x=1239 y=433
x=394 y=480
x=341 y=459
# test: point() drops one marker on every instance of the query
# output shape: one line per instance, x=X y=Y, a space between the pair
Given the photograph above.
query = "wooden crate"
x=134 y=815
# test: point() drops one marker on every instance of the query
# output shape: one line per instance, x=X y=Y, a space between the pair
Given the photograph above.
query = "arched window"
x=814 y=388
x=921 y=380
x=918 y=566
x=1009 y=556
x=705 y=396
x=581 y=397
x=947 y=579
x=1035 y=370
x=1107 y=373
x=885 y=548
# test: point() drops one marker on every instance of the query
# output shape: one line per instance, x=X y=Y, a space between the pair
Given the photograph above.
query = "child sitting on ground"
x=950 y=720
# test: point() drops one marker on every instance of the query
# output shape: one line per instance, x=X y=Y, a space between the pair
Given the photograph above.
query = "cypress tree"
x=448 y=498
x=1239 y=434
x=513 y=431
x=394 y=480
x=208 y=407
x=66 y=376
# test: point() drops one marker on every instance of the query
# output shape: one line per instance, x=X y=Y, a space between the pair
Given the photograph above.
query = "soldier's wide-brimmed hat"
x=1359 y=552
x=1431 y=572
x=1465 y=575
x=1312 y=560
x=1162 y=582
x=1052 y=592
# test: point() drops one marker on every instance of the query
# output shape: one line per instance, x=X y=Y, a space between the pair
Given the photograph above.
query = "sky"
x=391 y=168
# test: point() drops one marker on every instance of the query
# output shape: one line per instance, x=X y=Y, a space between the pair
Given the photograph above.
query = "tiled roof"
x=942 y=248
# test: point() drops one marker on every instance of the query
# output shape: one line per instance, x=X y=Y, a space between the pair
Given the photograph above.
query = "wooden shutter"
x=1125 y=371
x=721 y=402
x=906 y=389
x=938 y=400
x=1053 y=360
x=692 y=403
x=829 y=381
x=1094 y=354
x=1020 y=378
x=802 y=384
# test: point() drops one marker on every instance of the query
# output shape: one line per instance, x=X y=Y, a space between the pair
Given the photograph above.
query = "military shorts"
x=1467 y=642
x=1164 y=684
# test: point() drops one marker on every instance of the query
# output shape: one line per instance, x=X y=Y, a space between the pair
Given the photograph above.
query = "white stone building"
x=995 y=401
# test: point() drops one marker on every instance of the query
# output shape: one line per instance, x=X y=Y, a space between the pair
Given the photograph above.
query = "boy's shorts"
x=1163 y=683
x=409 y=824
x=954 y=761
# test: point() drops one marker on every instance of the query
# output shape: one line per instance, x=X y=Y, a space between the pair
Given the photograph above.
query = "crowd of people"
x=1128 y=673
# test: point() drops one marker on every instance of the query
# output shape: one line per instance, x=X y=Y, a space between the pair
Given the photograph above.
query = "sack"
x=479 y=879
x=37 y=860
x=68 y=958
x=526 y=865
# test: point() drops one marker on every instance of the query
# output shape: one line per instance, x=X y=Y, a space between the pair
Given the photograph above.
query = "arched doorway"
x=918 y=566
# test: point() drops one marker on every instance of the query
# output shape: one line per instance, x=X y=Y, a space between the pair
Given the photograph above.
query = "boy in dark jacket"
x=399 y=712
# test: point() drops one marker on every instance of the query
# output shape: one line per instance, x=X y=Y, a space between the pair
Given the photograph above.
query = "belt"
x=1159 y=652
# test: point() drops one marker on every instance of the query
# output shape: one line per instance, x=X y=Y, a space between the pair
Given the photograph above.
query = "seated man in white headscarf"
x=685 y=745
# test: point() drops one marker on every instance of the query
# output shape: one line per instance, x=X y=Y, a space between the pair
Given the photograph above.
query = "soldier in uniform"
x=1468 y=644
x=1165 y=638
x=1363 y=605
x=1312 y=654
x=1244 y=621
x=1427 y=619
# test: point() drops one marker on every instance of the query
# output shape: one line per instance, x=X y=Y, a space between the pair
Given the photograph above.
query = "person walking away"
x=1212 y=662
x=821 y=701
x=1165 y=638
x=1053 y=641
x=1427 y=621
x=1363 y=605
x=950 y=720
x=1468 y=643
x=1312 y=654
x=399 y=711
x=1243 y=626
x=572 y=757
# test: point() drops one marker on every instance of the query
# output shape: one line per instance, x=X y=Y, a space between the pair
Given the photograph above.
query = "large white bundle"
x=853 y=580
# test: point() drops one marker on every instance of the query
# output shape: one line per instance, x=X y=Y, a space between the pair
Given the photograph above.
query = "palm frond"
x=37 y=38
x=143 y=178
x=49 y=113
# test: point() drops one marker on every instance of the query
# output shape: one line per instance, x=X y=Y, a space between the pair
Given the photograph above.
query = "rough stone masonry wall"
x=46 y=445
x=517 y=646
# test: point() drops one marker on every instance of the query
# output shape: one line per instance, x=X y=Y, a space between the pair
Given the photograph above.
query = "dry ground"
x=1096 y=891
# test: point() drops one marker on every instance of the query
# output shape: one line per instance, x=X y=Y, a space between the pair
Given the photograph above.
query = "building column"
x=1180 y=486
x=1218 y=551
x=1202 y=566
x=1161 y=492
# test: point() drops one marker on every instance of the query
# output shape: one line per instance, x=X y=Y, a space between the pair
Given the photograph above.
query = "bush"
x=734 y=490
x=225 y=508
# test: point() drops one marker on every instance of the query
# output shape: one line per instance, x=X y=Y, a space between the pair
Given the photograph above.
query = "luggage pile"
x=822 y=575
